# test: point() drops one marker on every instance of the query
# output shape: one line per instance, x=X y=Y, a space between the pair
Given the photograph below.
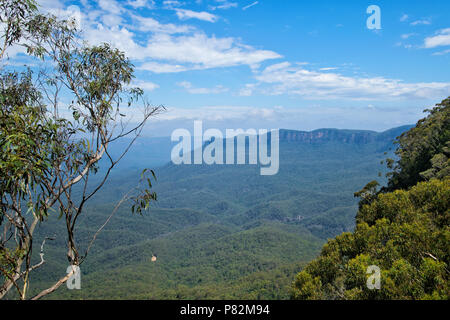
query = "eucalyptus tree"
x=48 y=146
x=402 y=229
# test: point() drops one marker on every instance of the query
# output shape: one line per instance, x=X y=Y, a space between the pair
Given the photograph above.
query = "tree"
x=46 y=154
x=402 y=228
x=423 y=152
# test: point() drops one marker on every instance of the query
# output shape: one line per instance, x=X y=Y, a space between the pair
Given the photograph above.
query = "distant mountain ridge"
x=156 y=151
x=342 y=135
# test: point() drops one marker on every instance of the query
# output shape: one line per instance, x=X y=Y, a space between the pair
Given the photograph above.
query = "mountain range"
x=220 y=231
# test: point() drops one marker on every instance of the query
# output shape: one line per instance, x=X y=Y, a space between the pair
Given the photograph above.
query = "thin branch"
x=124 y=198
x=56 y=285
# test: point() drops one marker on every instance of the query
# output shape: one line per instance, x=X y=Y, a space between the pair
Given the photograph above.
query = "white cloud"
x=286 y=79
x=191 y=89
x=151 y=25
x=146 y=85
x=111 y=6
x=184 y=14
x=328 y=69
x=404 y=17
x=149 y=4
x=120 y=37
x=441 y=53
x=421 y=22
x=198 y=51
x=163 y=48
x=218 y=113
x=408 y=35
x=13 y=51
x=170 y=4
x=441 y=39
x=47 y=5
x=111 y=20
x=223 y=5
x=247 y=91
x=162 y=67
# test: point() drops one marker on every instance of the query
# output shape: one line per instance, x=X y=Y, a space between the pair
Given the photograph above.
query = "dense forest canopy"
x=424 y=150
x=402 y=229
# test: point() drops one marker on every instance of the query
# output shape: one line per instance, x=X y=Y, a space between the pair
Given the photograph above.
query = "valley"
x=220 y=232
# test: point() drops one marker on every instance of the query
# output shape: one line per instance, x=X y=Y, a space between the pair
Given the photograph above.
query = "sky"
x=272 y=64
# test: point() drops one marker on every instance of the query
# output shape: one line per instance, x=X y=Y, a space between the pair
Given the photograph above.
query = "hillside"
x=401 y=229
x=222 y=231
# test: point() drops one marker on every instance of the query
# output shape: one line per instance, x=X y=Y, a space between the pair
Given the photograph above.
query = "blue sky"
x=277 y=64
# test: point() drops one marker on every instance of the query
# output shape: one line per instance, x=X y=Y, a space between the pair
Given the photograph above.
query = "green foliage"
x=368 y=193
x=308 y=287
x=27 y=140
x=404 y=232
x=142 y=201
x=8 y=260
x=423 y=151
x=44 y=155
x=204 y=261
x=15 y=15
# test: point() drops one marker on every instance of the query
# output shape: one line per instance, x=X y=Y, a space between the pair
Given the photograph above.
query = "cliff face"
x=342 y=136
